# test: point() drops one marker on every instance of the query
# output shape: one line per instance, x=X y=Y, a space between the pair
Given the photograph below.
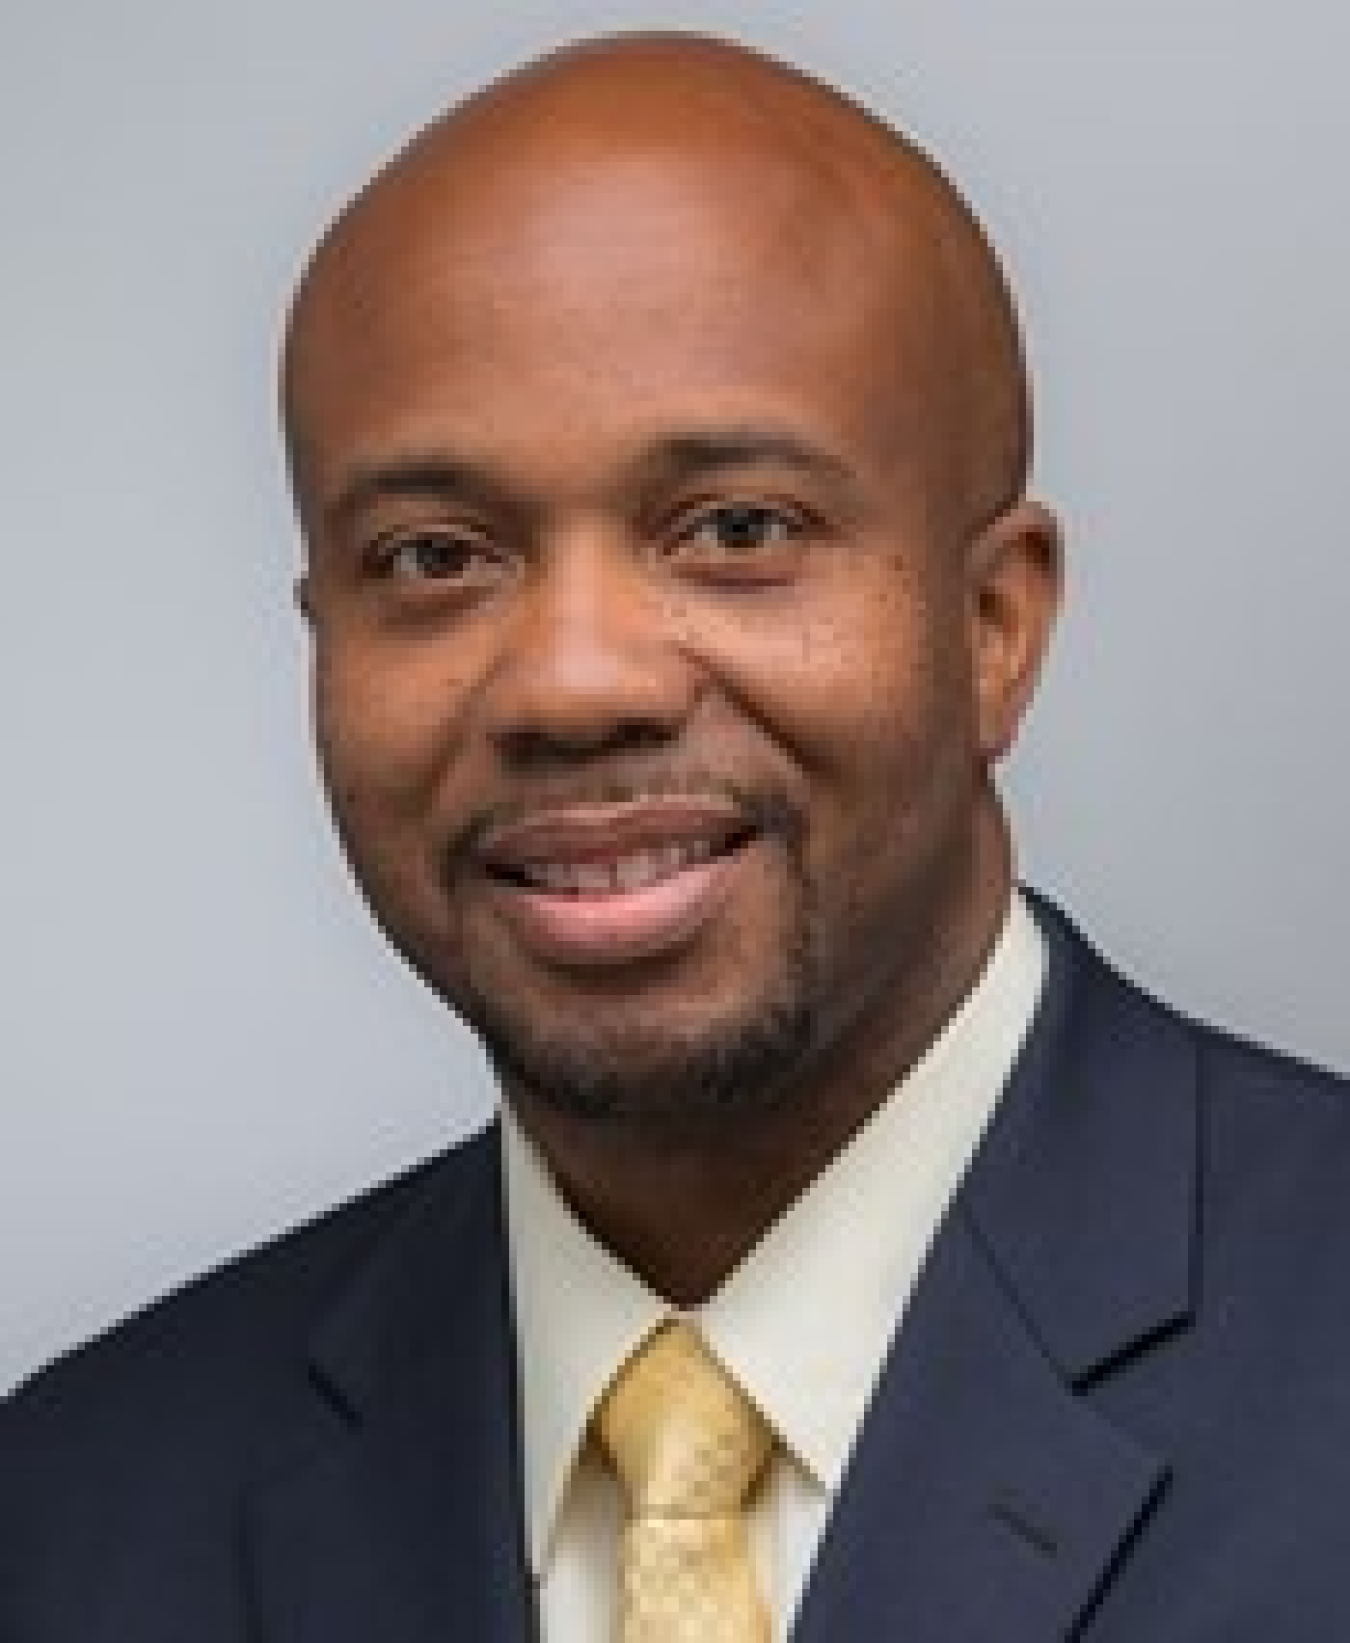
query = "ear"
x=1016 y=580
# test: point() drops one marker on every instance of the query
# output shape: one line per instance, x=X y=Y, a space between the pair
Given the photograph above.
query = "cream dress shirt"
x=803 y=1323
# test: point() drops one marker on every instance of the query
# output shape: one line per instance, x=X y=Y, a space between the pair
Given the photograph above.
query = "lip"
x=612 y=927
x=585 y=833
x=618 y=927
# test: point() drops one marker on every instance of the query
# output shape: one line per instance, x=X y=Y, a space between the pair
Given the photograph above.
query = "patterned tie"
x=688 y=1446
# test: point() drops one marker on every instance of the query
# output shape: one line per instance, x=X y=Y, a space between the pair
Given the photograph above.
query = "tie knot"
x=683 y=1437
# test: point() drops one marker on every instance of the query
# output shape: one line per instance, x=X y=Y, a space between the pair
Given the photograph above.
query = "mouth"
x=598 y=885
x=615 y=875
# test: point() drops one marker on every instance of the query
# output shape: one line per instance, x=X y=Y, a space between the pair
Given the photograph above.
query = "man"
x=660 y=433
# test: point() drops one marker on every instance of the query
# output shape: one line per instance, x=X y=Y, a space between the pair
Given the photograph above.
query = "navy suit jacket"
x=1119 y=1407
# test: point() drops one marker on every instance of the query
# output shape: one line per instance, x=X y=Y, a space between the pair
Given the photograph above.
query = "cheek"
x=877 y=706
x=386 y=728
x=857 y=682
x=386 y=737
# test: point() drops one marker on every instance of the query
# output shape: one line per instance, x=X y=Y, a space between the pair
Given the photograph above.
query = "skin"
x=658 y=425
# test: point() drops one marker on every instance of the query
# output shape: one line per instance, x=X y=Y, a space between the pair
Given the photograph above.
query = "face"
x=645 y=672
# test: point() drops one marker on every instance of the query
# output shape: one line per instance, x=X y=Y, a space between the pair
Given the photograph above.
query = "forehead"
x=613 y=292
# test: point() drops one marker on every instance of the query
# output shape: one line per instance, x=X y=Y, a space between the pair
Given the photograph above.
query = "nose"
x=590 y=662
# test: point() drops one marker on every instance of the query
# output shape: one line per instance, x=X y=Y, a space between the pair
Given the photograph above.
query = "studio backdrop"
x=203 y=1038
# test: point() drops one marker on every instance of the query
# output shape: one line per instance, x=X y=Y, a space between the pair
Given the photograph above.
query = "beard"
x=619 y=1069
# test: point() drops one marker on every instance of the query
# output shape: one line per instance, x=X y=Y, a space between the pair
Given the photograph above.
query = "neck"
x=683 y=1208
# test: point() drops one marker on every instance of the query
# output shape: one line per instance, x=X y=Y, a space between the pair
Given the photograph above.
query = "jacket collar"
x=1086 y=1193
x=407 y=1521
x=989 y=1493
x=987 y=1489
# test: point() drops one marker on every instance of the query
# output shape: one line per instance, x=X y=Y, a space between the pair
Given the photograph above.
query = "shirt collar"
x=579 y=1314
x=806 y=1320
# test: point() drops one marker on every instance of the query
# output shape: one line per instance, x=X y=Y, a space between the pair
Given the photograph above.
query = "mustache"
x=769 y=812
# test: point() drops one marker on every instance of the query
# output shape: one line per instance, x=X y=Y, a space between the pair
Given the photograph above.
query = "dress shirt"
x=804 y=1322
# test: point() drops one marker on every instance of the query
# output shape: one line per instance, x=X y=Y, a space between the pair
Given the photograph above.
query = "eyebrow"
x=688 y=455
x=672 y=459
x=435 y=476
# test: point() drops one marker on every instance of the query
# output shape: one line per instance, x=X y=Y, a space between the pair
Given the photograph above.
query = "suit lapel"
x=407 y=1523
x=984 y=1499
x=988 y=1495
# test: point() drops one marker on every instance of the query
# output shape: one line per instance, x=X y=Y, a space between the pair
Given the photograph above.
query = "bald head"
x=658 y=426
x=816 y=187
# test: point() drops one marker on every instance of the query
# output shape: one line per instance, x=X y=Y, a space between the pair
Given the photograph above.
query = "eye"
x=757 y=537
x=434 y=556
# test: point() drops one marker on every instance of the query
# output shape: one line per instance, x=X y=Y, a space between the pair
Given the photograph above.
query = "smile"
x=625 y=873
x=606 y=885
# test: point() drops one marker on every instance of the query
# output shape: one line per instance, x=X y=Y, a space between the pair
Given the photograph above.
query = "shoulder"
x=164 y=1418
x=1108 y=1015
x=1271 y=1131
x=246 y=1322
x=1274 y=1168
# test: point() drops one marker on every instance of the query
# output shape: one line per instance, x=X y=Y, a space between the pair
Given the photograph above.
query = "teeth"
x=635 y=872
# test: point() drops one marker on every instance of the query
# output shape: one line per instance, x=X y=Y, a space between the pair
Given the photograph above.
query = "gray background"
x=203 y=1039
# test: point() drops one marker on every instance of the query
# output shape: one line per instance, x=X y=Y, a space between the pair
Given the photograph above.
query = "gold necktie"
x=688 y=1446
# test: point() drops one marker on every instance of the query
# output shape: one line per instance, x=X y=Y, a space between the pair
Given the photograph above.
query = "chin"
x=650 y=1072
